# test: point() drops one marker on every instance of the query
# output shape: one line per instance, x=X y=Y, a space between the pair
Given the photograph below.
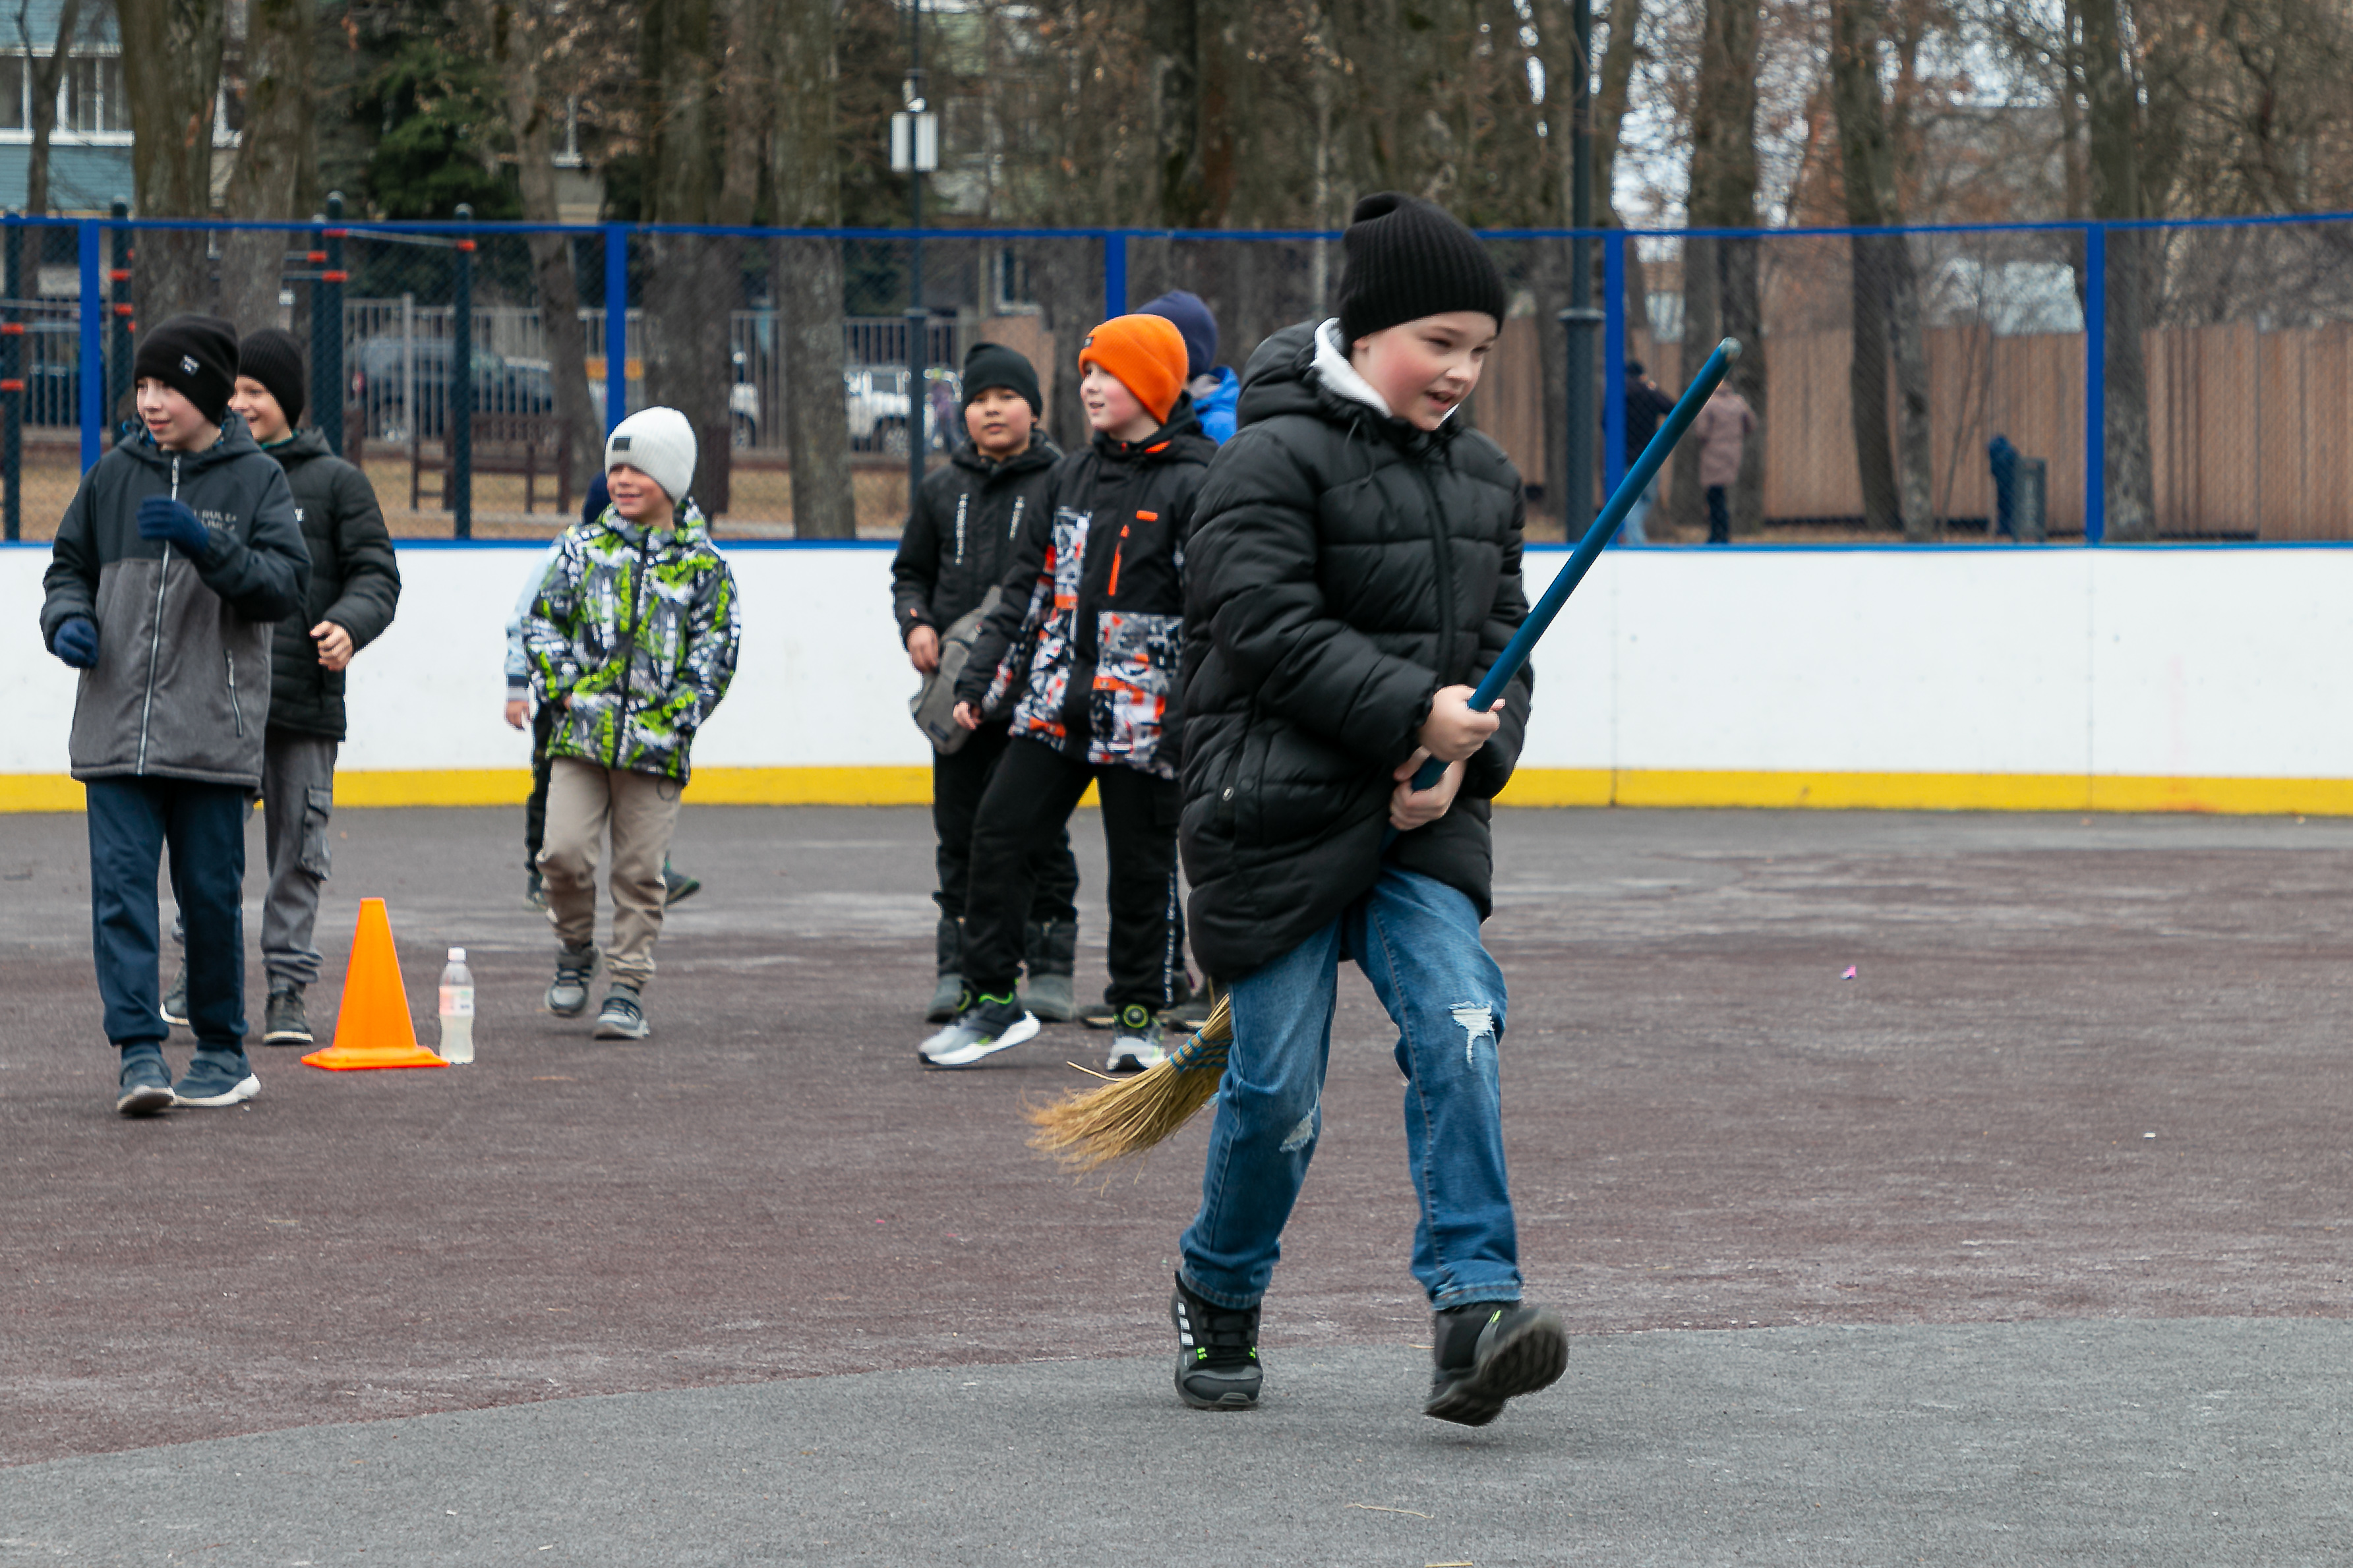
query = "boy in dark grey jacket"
x=177 y=557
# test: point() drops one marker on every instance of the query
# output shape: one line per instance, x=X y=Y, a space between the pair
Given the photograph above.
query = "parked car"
x=380 y=379
x=877 y=407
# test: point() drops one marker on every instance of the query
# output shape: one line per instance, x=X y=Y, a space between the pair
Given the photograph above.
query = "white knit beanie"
x=658 y=443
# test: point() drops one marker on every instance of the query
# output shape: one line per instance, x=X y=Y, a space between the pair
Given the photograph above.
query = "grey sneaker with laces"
x=567 y=997
x=623 y=1017
x=283 y=1021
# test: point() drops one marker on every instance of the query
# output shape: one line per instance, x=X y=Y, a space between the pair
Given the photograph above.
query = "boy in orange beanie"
x=1083 y=650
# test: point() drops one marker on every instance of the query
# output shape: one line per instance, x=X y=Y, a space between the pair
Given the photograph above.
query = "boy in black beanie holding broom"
x=1354 y=571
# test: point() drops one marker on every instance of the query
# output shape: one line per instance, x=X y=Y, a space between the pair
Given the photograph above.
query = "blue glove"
x=160 y=517
x=77 y=642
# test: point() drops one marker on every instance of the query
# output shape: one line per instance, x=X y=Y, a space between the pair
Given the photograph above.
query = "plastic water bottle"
x=457 y=1010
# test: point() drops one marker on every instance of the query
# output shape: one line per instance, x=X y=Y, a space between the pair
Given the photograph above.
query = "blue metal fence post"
x=12 y=384
x=118 y=353
x=616 y=325
x=1114 y=273
x=327 y=388
x=1613 y=360
x=2095 y=383
x=461 y=477
x=90 y=375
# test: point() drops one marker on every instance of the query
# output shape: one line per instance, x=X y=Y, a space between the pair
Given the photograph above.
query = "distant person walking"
x=1722 y=428
x=1645 y=406
x=176 y=559
x=354 y=592
x=1213 y=387
x=632 y=640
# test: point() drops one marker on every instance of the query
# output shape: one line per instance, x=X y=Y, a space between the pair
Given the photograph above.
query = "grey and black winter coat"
x=960 y=533
x=354 y=583
x=1344 y=566
x=181 y=689
x=1085 y=646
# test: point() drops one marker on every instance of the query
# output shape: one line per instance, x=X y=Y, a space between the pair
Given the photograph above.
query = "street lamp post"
x=915 y=152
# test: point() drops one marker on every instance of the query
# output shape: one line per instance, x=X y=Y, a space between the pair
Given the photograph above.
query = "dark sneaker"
x=987 y=1025
x=1049 y=996
x=1489 y=1351
x=1216 y=1352
x=147 y=1087
x=176 y=1000
x=622 y=1017
x=1135 y=1041
x=567 y=997
x=283 y=1022
x=1104 y=1016
x=216 y=1078
x=1188 y=1016
x=677 y=886
x=947 y=999
x=534 y=892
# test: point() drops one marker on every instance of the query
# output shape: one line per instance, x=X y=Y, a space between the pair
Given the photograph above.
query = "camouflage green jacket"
x=637 y=628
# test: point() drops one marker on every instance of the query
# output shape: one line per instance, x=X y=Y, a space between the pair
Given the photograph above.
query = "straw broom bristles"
x=1127 y=1118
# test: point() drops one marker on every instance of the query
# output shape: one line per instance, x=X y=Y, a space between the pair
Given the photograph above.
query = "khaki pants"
x=641 y=809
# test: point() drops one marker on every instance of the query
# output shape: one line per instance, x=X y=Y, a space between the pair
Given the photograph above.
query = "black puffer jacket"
x=961 y=531
x=1084 y=648
x=1344 y=567
x=354 y=583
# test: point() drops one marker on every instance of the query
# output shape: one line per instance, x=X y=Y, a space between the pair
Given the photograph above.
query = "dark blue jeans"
x=131 y=820
x=1417 y=939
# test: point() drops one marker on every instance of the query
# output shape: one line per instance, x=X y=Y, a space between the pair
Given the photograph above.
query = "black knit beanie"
x=193 y=356
x=1407 y=259
x=273 y=358
x=994 y=364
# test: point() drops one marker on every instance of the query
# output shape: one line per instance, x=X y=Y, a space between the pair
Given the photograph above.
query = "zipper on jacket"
x=1441 y=542
x=237 y=711
x=629 y=650
x=1013 y=529
x=1111 y=591
x=964 y=503
x=155 y=643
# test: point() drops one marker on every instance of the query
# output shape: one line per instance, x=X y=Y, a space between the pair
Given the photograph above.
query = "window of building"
x=114 y=103
x=12 y=92
x=92 y=96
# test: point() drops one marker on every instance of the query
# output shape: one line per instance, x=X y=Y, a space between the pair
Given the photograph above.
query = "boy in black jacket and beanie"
x=1083 y=649
x=177 y=557
x=354 y=590
x=1354 y=570
x=960 y=534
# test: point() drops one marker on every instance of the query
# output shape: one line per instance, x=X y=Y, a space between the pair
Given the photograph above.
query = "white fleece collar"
x=1332 y=369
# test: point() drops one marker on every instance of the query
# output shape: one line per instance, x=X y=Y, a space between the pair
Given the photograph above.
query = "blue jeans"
x=131 y=820
x=1417 y=939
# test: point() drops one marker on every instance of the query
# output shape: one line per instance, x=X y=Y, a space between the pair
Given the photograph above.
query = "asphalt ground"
x=2031 y=1232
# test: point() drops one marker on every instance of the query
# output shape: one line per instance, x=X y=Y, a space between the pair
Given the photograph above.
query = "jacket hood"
x=1304 y=370
x=235 y=441
x=688 y=528
x=1040 y=454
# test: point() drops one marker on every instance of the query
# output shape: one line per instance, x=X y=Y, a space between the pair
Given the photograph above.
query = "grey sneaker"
x=176 y=1000
x=1049 y=952
x=1488 y=1351
x=1049 y=996
x=283 y=1022
x=623 y=1017
x=145 y=1086
x=1216 y=1352
x=567 y=997
x=947 y=999
x=216 y=1078
x=987 y=1025
x=1135 y=1041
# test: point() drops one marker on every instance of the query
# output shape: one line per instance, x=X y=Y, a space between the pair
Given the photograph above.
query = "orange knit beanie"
x=1146 y=353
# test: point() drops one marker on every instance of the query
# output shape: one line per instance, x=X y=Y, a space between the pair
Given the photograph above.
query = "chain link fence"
x=472 y=371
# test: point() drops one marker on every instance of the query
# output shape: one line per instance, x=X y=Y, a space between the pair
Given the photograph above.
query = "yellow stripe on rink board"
x=1664 y=787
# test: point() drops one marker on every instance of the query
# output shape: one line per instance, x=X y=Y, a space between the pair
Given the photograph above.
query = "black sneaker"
x=283 y=1022
x=176 y=1000
x=216 y=1078
x=1216 y=1352
x=678 y=885
x=1135 y=1043
x=623 y=1017
x=567 y=995
x=1489 y=1351
x=987 y=1025
x=145 y=1086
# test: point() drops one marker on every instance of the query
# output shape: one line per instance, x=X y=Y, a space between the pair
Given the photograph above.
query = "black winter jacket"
x=960 y=533
x=1085 y=646
x=354 y=583
x=181 y=689
x=1344 y=566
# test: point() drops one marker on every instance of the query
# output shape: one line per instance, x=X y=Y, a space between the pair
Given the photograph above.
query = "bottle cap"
x=457 y=955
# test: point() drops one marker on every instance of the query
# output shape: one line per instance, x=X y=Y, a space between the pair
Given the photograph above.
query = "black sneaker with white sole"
x=1135 y=1042
x=1216 y=1351
x=283 y=1020
x=987 y=1025
x=145 y=1086
x=1488 y=1351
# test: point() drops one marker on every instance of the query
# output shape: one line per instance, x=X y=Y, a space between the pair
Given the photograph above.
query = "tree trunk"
x=1173 y=42
x=1720 y=275
x=692 y=282
x=46 y=72
x=1609 y=117
x=2113 y=113
x=276 y=176
x=810 y=288
x=171 y=72
x=532 y=112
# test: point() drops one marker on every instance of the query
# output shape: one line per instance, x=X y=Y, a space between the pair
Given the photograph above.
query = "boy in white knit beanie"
x=632 y=641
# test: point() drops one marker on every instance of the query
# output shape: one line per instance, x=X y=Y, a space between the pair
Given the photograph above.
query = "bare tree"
x=46 y=72
x=275 y=174
x=520 y=43
x=806 y=174
x=1885 y=289
x=171 y=72
x=2112 y=97
x=1721 y=292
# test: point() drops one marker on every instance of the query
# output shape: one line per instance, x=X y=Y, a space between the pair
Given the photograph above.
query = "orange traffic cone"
x=374 y=1029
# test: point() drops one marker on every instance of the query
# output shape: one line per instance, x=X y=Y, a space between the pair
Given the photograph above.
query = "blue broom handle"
x=1597 y=538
